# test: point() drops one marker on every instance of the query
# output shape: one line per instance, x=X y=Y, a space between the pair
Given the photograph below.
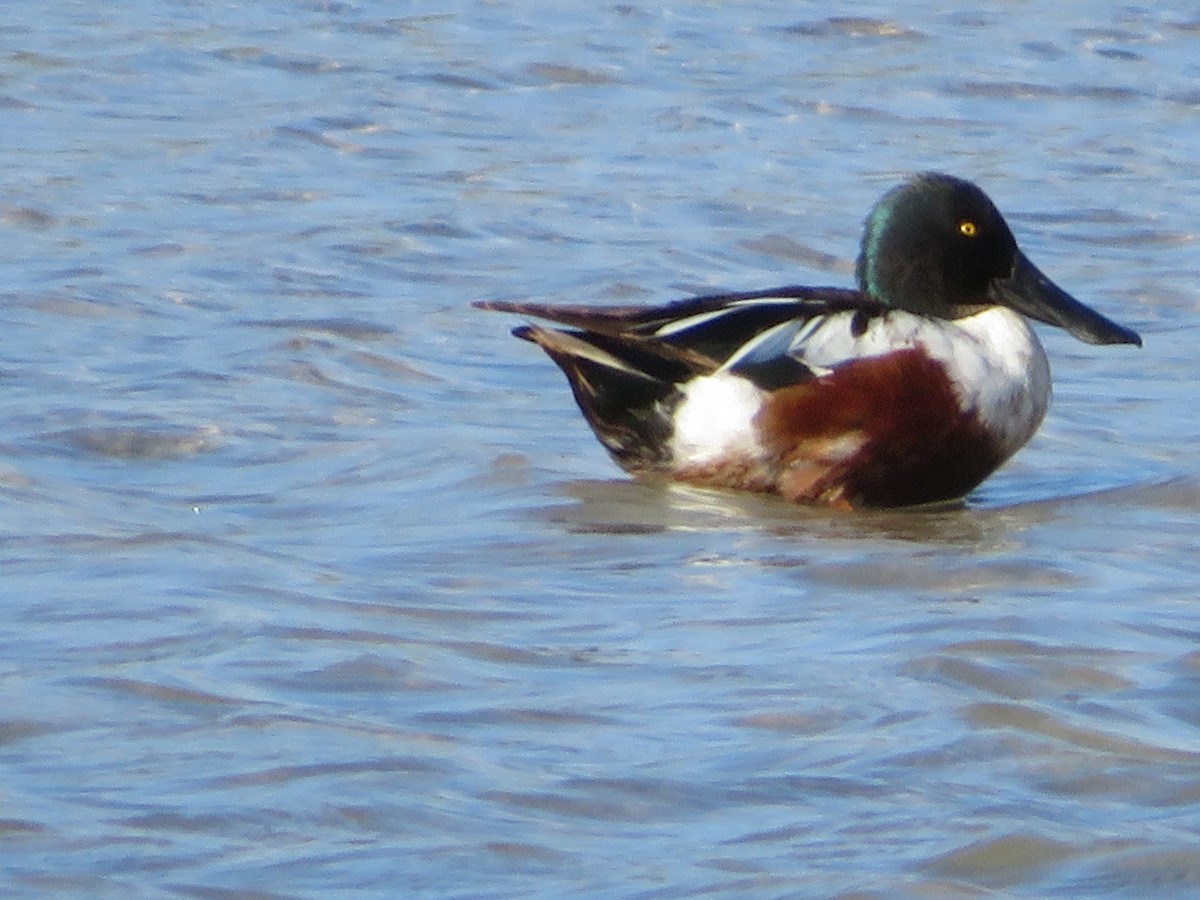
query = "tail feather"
x=627 y=392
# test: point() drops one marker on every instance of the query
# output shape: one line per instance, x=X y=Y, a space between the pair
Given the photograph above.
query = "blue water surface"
x=315 y=583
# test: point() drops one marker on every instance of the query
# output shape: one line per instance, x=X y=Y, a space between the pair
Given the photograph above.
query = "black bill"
x=1031 y=293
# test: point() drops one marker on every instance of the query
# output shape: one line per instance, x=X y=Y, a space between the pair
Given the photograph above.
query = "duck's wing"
x=704 y=332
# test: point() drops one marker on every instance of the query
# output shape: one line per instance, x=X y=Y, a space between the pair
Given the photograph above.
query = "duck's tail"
x=627 y=391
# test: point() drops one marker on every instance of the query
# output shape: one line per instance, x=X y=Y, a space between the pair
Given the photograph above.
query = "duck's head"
x=937 y=246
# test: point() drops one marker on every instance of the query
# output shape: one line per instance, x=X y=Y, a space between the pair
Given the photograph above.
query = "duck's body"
x=911 y=389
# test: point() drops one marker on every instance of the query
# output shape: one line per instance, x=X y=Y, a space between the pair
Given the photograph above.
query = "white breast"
x=993 y=358
x=1002 y=374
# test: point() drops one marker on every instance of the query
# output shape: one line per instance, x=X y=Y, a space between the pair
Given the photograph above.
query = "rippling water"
x=315 y=583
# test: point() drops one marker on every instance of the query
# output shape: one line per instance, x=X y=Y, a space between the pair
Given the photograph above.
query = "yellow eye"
x=968 y=228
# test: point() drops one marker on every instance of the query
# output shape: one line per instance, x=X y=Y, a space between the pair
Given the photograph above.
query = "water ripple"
x=316 y=584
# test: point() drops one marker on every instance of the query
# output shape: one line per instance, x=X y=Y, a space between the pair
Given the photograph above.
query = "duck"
x=909 y=389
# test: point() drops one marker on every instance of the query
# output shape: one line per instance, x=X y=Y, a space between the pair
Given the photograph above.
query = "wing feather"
x=715 y=326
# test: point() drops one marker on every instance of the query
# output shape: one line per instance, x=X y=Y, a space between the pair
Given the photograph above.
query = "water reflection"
x=625 y=506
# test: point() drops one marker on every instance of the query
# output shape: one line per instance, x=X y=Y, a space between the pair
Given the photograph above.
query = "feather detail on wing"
x=716 y=327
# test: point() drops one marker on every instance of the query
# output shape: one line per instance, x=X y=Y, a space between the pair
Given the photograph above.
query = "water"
x=314 y=582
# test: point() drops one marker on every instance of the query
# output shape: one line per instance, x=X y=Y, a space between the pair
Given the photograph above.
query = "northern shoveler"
x=911 y=389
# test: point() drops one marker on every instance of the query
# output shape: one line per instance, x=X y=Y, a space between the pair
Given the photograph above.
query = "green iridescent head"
x=937 y=246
